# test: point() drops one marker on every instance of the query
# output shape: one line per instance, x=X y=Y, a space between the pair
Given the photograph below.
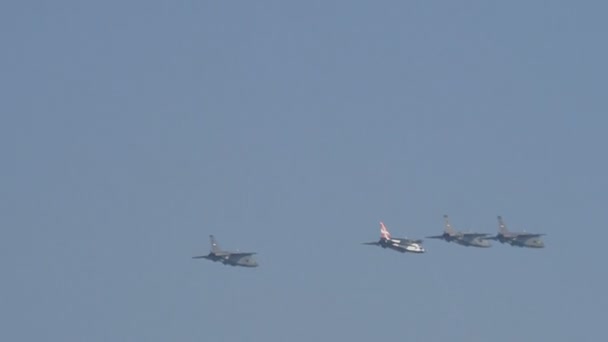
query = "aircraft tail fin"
x=448 y=226
x=502 y=227
x=384 y=233
x=215 y=248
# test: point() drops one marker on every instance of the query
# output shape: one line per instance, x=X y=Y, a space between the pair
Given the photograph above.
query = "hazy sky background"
x=131 y=130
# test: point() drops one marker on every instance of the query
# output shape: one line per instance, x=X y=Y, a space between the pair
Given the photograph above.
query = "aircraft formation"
x=402 y=245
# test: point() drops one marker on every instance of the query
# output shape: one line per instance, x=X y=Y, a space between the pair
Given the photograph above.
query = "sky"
x=131 y=130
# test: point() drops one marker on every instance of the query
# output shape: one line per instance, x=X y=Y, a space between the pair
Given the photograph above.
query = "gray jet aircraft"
x=461 y=238
x=522 y=239
x=397 y=244
x=228 y=258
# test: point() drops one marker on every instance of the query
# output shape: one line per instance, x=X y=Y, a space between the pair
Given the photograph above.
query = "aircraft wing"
x=528 y=235
x=435 y=237
x=371 y=243
x=201 y=257
x=241 y=254
x=474 y=235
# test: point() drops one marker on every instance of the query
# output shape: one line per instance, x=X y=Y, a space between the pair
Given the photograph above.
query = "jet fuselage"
x=521 y=241
x=401 y=245
x=232 y=259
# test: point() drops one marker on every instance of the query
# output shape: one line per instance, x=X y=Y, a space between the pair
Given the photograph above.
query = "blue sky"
x=130 y=131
